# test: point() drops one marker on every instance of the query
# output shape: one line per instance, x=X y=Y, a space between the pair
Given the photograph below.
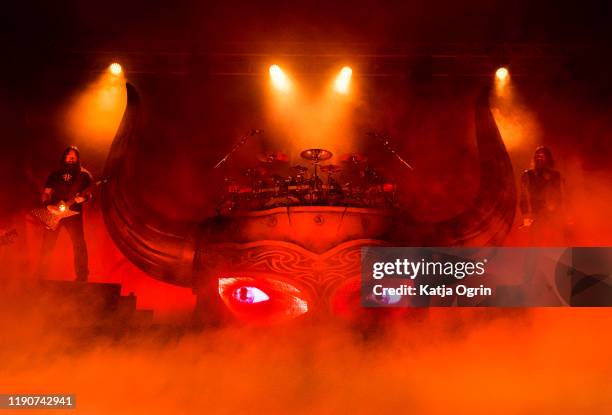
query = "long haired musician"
x=62 y=185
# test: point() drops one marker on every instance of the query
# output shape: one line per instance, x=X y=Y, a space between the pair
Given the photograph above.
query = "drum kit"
x=274 y=183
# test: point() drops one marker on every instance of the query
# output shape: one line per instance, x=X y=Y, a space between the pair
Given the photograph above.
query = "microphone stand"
x=384 y=139
x=239 y=144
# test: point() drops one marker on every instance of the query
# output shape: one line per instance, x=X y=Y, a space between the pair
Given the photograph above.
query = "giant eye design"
x=262 y=299
x=249 y=295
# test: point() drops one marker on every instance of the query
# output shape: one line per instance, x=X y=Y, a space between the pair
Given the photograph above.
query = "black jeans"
x=74 y=226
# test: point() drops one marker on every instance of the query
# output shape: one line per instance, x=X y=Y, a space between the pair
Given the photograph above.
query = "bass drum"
x=279 y=201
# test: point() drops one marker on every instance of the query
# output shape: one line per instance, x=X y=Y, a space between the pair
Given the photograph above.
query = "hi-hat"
x=316 y=154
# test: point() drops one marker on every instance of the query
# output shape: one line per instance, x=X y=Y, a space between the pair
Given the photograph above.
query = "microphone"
x=385 y=140
x=240 y=143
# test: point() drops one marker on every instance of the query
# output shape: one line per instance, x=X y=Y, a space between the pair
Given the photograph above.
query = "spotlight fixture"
x=502 y=74
x=279 y=79
x=115 y=69
x=343 y=80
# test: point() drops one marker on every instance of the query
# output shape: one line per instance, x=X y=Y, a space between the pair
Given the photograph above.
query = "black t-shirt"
x=541 y=192
x=66 y=184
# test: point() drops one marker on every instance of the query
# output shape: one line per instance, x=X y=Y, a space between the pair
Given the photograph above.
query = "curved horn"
x=489 y=219
x=160 y=247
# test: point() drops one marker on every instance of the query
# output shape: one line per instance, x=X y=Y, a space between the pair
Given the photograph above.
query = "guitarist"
x=62 y=185
x=543 y=201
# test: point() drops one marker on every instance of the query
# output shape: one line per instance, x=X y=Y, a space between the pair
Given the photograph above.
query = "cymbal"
x=316 y=154
x=273 y=157
x=354 y=158
x=300 y=169
x=331 y=168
